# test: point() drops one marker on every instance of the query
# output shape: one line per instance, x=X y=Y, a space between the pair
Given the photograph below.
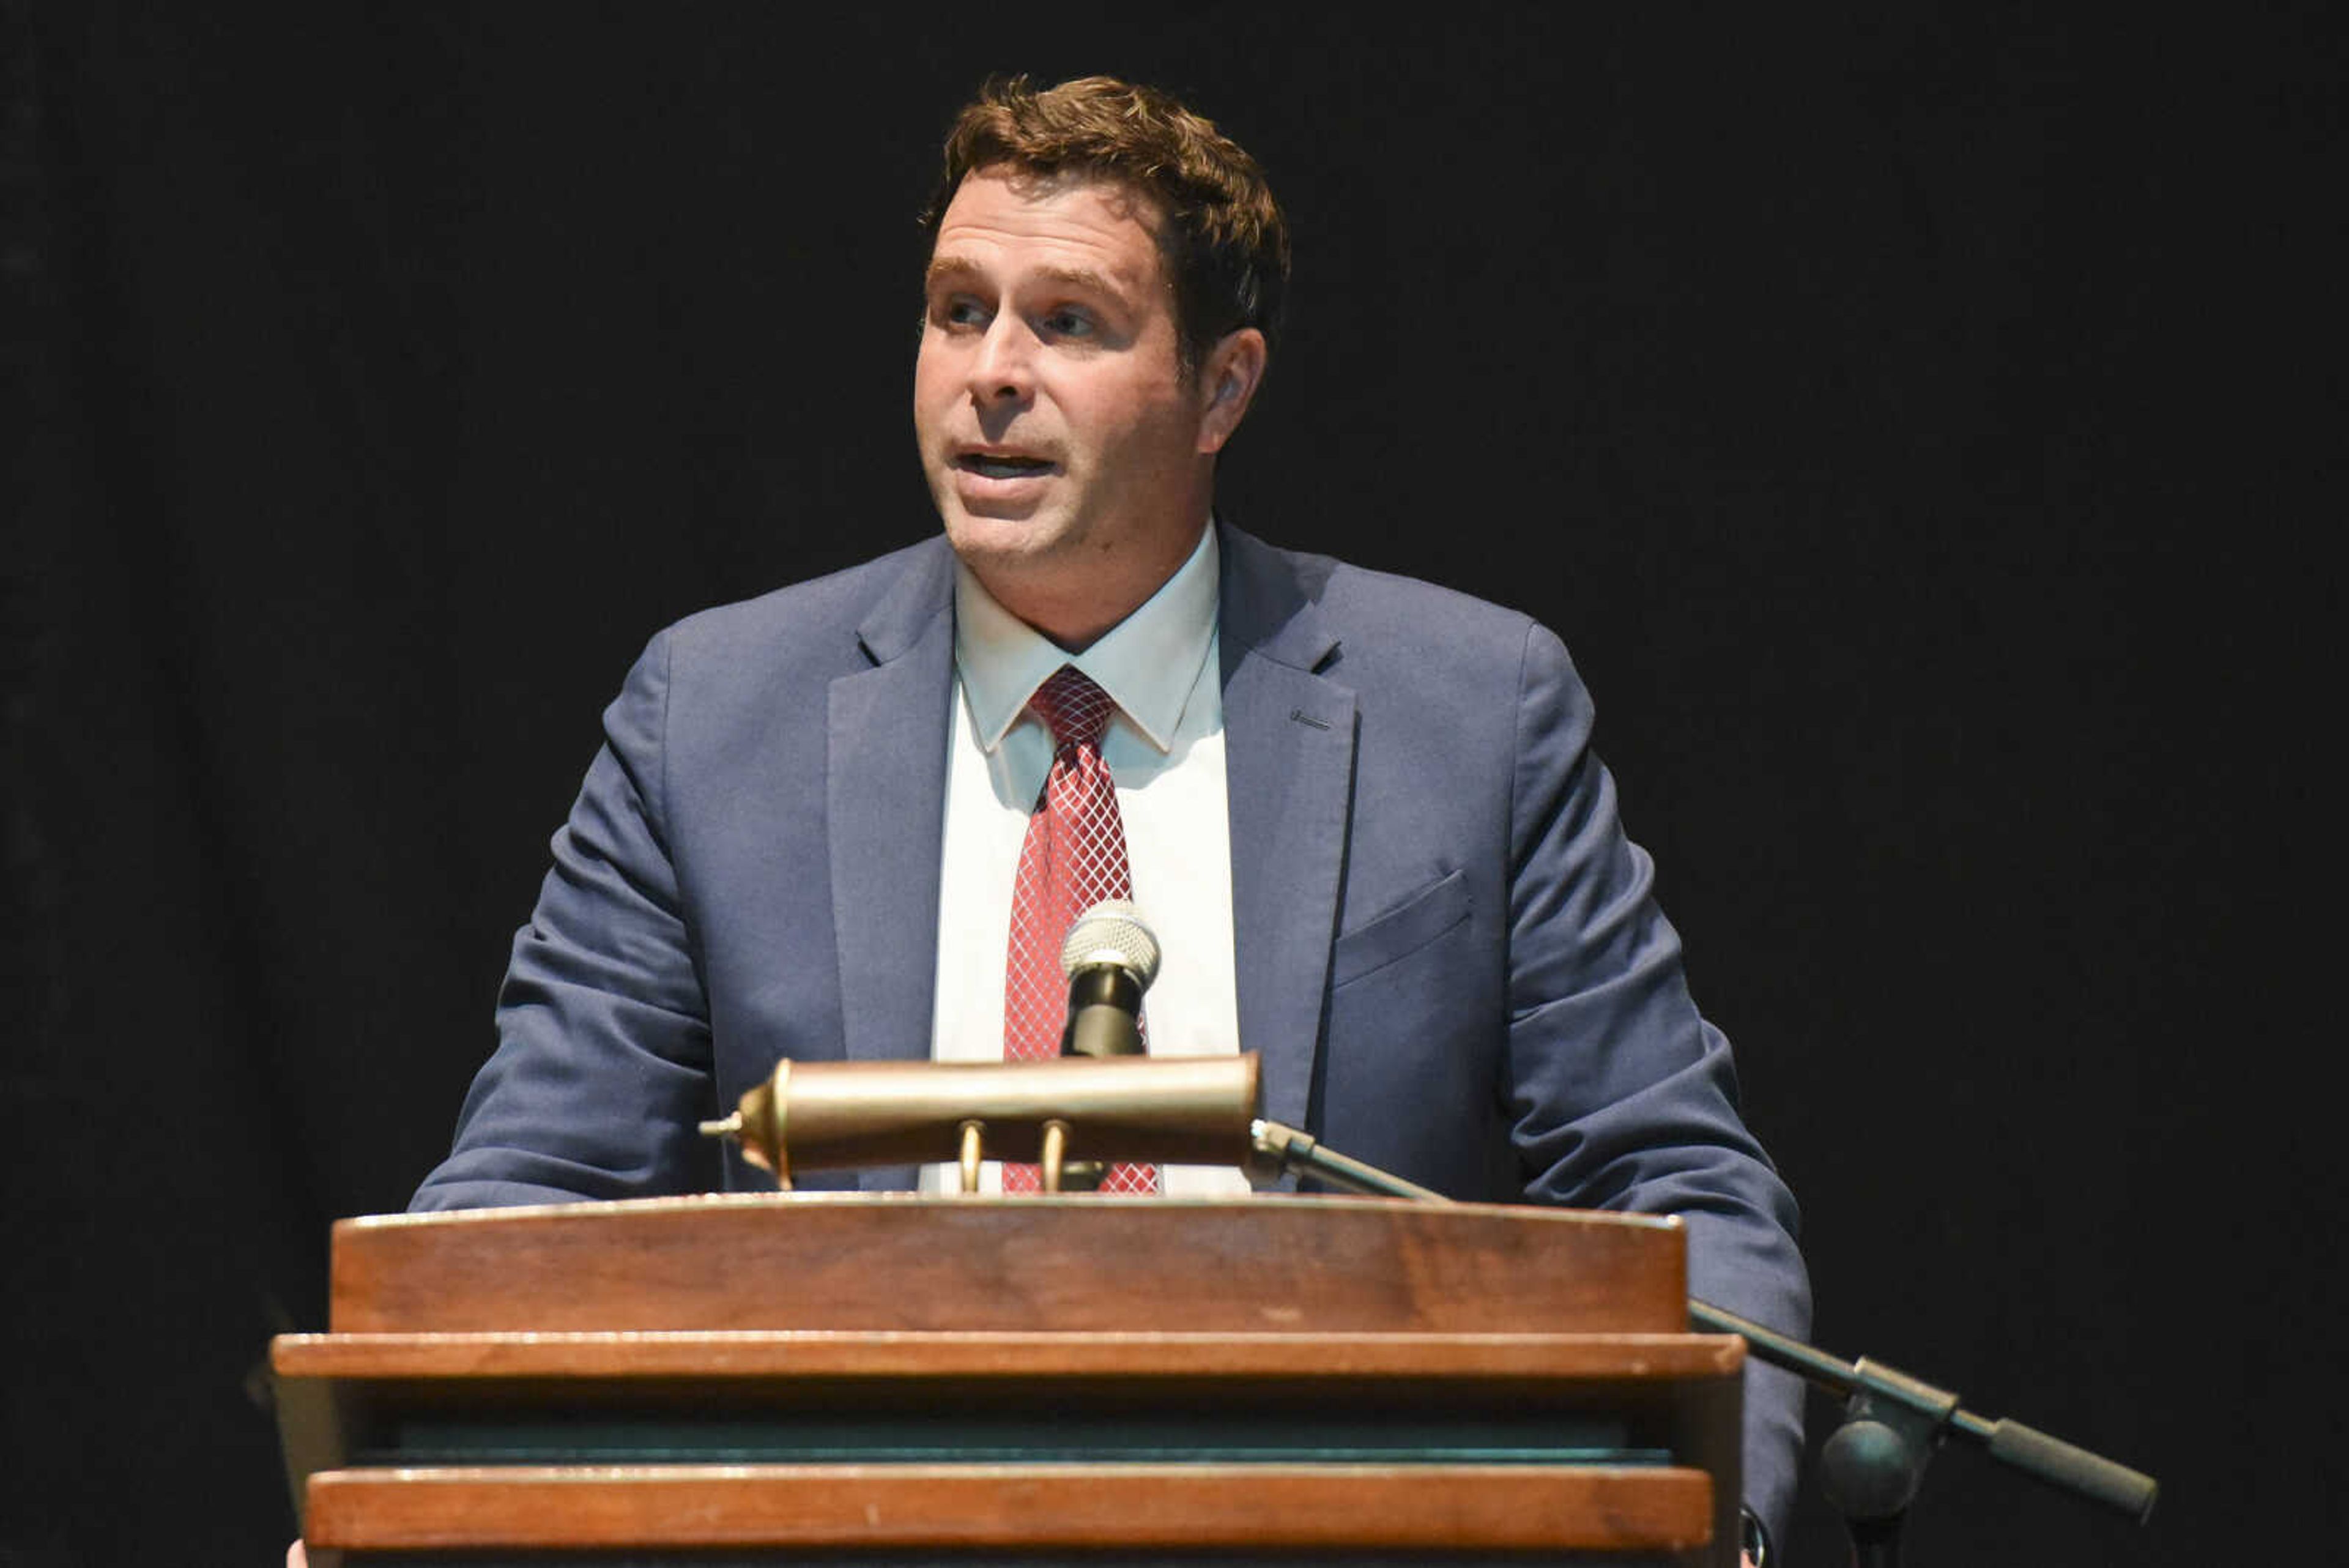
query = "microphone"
x=1110 y=957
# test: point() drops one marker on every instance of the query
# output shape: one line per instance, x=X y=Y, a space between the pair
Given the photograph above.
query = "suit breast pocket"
x=1401 y=932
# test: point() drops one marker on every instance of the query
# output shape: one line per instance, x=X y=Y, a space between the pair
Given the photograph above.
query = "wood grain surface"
x=1515 y=1358
x=1327 y=1265
x=1044 y=1507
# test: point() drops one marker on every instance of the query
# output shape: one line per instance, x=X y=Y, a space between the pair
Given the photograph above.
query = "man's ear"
x=1228 y=379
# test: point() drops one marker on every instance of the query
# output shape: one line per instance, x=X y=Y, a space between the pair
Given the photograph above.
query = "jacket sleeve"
x=1622 y=1096
x=602 y=1065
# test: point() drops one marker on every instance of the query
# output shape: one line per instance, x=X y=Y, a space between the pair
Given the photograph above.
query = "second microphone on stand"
x=1110 y=957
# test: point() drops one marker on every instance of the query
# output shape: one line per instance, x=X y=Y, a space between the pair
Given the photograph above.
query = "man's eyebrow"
x=943 y=269
x=955 y=269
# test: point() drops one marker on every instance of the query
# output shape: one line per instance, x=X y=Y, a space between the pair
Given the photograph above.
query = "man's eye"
x=1069 y=324
x=962 y=312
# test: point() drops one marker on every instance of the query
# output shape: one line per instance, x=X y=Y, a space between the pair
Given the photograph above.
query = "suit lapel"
x=885 y=778
x=1289 y=769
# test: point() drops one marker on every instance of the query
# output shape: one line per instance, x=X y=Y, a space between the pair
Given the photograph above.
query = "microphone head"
x=1112 y=933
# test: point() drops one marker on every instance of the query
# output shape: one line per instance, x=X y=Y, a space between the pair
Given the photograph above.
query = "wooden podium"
x=822 y=1377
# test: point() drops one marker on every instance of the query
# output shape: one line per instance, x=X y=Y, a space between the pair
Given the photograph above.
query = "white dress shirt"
x=1164 y=748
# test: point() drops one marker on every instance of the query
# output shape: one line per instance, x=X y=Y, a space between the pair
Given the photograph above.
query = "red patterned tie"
x=1072 y=859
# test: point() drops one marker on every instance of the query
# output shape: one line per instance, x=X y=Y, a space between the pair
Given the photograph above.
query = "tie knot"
x=1074 y=709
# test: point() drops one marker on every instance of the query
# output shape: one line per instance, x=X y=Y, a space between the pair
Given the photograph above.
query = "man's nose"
x=1004 y=368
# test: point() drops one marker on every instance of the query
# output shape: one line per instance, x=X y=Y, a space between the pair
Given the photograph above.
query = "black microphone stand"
x=1875 y=1459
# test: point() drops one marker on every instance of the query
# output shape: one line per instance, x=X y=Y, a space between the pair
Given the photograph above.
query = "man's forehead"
x=1072 y=226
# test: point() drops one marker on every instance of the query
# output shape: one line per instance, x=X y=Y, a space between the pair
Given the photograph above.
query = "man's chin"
x=1005 y=535
x=1004 y=510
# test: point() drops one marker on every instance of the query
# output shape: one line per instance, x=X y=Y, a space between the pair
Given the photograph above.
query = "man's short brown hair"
x=1225 y=241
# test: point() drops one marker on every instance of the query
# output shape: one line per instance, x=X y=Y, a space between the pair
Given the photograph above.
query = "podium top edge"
x=1259 y=1203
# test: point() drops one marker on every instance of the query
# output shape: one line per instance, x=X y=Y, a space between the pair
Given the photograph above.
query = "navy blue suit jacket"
x=1448 y=953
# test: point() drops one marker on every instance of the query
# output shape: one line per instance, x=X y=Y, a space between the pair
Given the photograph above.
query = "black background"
x=1917 y=419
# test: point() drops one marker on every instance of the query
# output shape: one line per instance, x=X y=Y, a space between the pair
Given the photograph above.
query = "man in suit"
x=1360 y=810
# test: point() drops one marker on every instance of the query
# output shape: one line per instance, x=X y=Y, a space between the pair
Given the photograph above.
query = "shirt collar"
x=1147 y=662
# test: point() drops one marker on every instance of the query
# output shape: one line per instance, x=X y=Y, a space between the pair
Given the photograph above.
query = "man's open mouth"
x=993 y=466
